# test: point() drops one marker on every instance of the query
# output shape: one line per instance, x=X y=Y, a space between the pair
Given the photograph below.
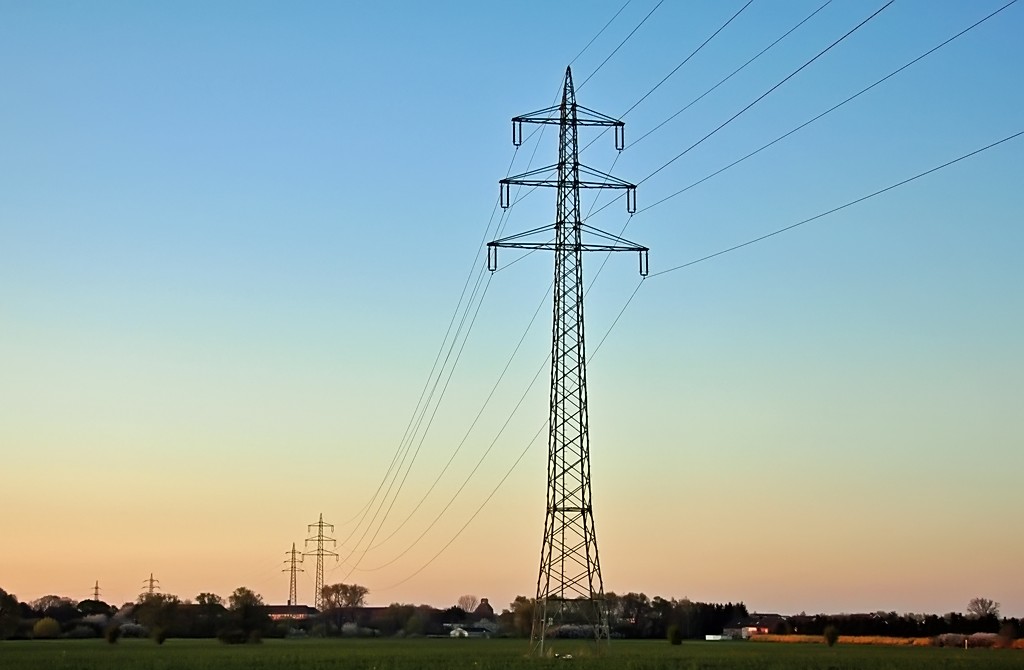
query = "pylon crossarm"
x=501 y=242
x=606 y=180
x=516 y=179
x=553 y=116
x=623 y=243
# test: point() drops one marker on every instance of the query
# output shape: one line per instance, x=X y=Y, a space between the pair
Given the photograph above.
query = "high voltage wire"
x=417 y=421
x=476 y=419
x=474 y=515
x=769 y=91
x=757 y=100
x=600 y=32
x=473 y=472
x=685 y=60
x=679 y=267
x=836 y=209
x=810 y=121
x=700 y=97
x=437 y=358
x=729 y=76
x=830 y=109
x=657 y=86
x=615 y=50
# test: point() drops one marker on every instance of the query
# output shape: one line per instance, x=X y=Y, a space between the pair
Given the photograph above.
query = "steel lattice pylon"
x=293 y=562
x=320 y=539
x=570 y=589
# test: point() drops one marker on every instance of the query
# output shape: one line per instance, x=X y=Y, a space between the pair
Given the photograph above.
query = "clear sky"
x=233 y=235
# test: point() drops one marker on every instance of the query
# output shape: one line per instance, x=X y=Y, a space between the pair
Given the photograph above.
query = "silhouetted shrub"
x=46 y=628
x=831 y=635
x=675 y=636
x=112 y=633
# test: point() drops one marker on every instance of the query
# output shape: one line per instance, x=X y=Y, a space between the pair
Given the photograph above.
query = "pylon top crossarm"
x=584 y=117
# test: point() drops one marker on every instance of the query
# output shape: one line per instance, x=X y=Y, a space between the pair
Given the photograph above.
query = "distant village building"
x=296 y=612
x=483 y=611
x=744 y=628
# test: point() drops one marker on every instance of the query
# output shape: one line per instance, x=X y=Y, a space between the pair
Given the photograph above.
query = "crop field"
x=396 y=654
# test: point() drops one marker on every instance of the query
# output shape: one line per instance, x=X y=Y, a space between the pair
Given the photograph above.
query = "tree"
x=831 y=635
x=247 y=617
x=90 y=607
x=209 y=600
x=10 y=614
x=242 y=598
x=979 y=608
x=157 y=612
x=468 y=602
x=522 y=614
x=58 y=607
x=344 y=595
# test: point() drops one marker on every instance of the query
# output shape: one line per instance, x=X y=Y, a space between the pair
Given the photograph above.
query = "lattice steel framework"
x=320 y=539
x=295 y=559
x=570 y=589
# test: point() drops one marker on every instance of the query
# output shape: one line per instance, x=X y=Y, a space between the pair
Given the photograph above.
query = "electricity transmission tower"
x=294 y=559
x=570 y=589
x=152 y=585
x=320 y=539
x=96 y=590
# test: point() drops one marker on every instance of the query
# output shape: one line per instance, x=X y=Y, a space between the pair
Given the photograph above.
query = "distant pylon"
x=152 y=585
x=96 y=590
x=320 y=539
x=294 y=559
x=570 y=588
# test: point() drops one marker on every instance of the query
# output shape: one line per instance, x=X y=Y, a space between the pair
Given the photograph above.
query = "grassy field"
x=481 y=655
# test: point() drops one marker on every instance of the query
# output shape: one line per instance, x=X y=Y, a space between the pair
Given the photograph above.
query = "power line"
x=599 y=32
x=473 y=472
x=769 y=91
x=829 y=110
x=615 y=50
x=666 y=77
x=476 y=419
x=729 y=76
x=685 y=60
x=475 y=512
x=836 y=209
x=755 y=101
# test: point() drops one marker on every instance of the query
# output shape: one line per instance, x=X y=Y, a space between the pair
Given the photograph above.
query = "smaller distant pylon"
x=294 y=560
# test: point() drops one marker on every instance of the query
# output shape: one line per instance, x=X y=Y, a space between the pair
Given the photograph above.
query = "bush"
x=232 y=635
x=81 y=632
x=133 y=630
x=831 y=635
x=159 y=634
x=112 y=633
x=46 y=628
x=675 y=636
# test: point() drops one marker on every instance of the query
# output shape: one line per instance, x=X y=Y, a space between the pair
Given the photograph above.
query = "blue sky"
x=232 y=236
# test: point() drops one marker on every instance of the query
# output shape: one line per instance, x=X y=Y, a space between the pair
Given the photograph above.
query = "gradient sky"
x=232 y=236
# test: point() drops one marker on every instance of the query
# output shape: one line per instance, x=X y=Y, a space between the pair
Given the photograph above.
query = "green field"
x=392 y=654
